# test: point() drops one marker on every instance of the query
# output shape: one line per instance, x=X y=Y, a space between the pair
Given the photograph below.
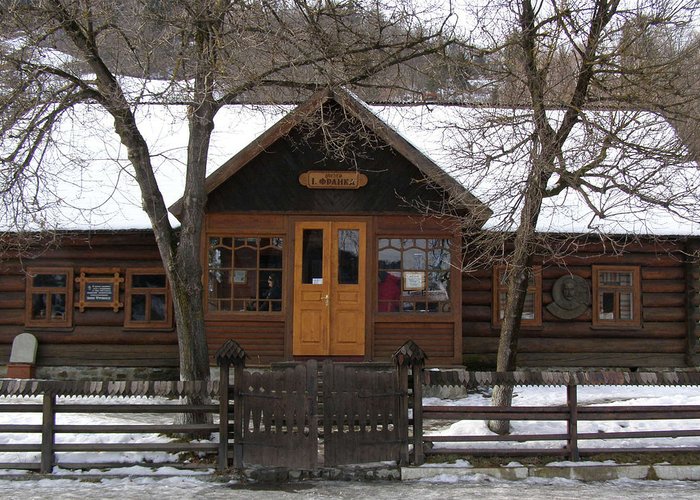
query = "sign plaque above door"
x=332 y=179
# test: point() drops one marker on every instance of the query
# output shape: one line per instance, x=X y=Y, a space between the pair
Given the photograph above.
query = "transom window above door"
x=244 y=274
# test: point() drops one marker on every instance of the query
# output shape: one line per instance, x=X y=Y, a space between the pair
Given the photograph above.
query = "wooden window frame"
x=30 y=290
x=247 y=312
x=129 y=292
x=535 y=289
x=410 y=278
x=635 y=288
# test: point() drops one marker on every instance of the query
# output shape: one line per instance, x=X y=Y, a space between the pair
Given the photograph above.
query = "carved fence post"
x=231 y=353
x=410 y=354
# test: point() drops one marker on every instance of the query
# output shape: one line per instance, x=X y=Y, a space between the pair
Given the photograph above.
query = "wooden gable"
x=333 y=131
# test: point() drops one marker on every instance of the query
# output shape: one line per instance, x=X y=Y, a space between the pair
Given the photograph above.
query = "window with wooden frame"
x=148 y=303
x=414 y=275
x=616 y=296
x=244 y=274
x=49 y=300
x=532 y=310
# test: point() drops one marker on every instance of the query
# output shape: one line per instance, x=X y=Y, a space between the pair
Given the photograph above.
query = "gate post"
x=410 y=354
x=231 y=353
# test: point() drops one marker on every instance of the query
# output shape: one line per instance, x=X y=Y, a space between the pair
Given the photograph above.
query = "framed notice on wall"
x=413 y=281
x=99 y=287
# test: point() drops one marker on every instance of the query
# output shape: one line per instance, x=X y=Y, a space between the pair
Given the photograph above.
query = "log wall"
x=665 y=338
x=98 y=337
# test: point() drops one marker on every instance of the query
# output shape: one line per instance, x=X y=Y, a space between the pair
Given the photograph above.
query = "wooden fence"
x=57 y=399
x=382 y=430
x=572 y=413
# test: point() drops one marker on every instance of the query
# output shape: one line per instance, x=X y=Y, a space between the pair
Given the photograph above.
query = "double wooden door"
x=329 y=288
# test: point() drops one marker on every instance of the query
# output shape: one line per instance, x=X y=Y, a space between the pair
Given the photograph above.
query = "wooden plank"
x=48 y=421
x=664 y=314
x=663 y=286
x=114 y=447
x=602 y=344
x=600 y=360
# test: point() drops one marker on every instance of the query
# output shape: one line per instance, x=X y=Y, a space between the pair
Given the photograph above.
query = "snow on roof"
x=95 y=185
x=488 y=150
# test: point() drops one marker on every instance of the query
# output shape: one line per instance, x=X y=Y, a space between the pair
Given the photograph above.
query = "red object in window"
x=389 y=292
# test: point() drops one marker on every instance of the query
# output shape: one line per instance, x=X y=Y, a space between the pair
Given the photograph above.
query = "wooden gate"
x=276 y=413
x=363 y=416
x=275 y=421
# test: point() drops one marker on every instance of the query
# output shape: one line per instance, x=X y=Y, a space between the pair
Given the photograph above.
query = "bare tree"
x=582 y=131
x=59 y=54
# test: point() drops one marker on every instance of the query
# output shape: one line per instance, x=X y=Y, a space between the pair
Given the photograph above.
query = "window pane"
x=245 y=257
x=621 y=278
x=607 y=305
x=414 y=259
x=219 y=292
x=148 y=280
x=348 y=256
x=58 y=306
x=438 y=254
x=389 y=258
x=271 y=254
x=626 y=306
x=270 y=292
x=389 y=291
x=529 y=307
x=138 y=307
x=158 y=307
x=312 y=257
x=50 y=280
x=38 y=306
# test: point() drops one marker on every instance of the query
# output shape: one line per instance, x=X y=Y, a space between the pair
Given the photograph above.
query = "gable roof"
x=457 y=193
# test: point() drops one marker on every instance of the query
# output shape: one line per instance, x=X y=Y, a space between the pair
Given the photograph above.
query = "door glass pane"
x=348 y=256
x=312 y=257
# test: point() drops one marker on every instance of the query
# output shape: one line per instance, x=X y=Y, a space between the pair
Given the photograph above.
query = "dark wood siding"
x=394 y=183
x=435 y=338
x=662 y=340
x=263 y=340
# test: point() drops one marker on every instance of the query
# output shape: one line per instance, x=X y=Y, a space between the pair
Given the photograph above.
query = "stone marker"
x=22 y=356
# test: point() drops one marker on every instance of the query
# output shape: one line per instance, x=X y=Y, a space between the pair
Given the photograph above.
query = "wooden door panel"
x=329 y=313
x=312 y=333
x=348 y=294
x=311 y=314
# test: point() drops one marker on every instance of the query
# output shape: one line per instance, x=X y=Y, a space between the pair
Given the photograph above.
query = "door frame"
x=370 y=270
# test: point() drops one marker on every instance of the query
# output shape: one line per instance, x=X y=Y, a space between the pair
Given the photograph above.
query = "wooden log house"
x=310 y=252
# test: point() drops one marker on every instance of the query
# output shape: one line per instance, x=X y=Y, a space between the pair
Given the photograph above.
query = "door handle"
x=325 y=299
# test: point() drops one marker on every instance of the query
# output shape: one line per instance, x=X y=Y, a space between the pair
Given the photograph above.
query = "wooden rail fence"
x=57 y=399
x=264 y=412
x=572 y=413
